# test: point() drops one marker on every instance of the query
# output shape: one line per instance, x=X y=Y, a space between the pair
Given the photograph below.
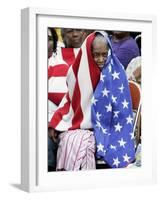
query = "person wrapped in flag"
x=59 y=60
x=95 y=116
x=112 y=115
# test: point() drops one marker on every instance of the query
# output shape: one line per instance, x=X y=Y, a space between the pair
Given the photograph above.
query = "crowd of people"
x=90 y=113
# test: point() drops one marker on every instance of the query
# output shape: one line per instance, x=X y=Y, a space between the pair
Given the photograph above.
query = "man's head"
x=120 y=34
x=100 y=50
x=73 y=38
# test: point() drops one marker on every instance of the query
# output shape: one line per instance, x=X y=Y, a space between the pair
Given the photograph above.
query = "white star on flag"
x=110 y=68
x=118 y=127
x=98 y=115
x=105 y=92
x=132 y=136
x=94 y=100
x=116 y=162
x=112 y=147
x=114 y=99
x=121 y=88
x=100 y=147
x=109 y=107
x=122 y=142
x=116 y=113
x=102 y=77
x=126 y=158
x=104 y=130
x=115 y=75
x=98 y=124
x=125 y=103
x=129 y=120
x=111 y=61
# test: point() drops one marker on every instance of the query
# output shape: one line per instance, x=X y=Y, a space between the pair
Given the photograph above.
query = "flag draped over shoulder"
x=112 y=115
x=100 y=101
x=74 y=111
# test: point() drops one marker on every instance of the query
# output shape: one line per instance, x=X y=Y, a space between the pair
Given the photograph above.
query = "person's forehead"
x=68 y=30
x=100 y=41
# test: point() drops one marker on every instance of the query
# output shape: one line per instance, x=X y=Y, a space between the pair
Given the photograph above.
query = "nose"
x=75 y=33
x=101 y=59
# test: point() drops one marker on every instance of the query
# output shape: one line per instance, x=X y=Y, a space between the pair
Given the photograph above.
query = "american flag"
x=99 y=101
x=58 y=65
x=74 y=111
x=112 y=115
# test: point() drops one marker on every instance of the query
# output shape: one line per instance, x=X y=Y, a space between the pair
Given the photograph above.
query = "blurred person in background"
x=124 y=47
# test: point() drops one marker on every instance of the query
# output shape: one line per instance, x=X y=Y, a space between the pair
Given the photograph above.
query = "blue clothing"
x=112 y=115
x=125 y=50
x=52 y=152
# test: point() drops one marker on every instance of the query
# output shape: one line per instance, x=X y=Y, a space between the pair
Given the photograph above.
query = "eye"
x=96 y=55
x=104 y=55
x=69 y=30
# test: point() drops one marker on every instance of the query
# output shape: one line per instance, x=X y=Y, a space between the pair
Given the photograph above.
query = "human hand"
x=53 y=134
x=137 y=73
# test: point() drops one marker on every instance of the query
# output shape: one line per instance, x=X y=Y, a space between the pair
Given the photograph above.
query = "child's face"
x=99 y=52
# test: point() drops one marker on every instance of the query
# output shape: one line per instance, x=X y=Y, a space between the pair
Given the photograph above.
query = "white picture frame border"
x=33 y=176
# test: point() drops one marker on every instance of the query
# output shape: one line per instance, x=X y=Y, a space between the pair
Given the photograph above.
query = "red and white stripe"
x=64 y=54
x=67 y=54
x=58 y=66
x=76 y=150
x=74 y=111
x=57 y=82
